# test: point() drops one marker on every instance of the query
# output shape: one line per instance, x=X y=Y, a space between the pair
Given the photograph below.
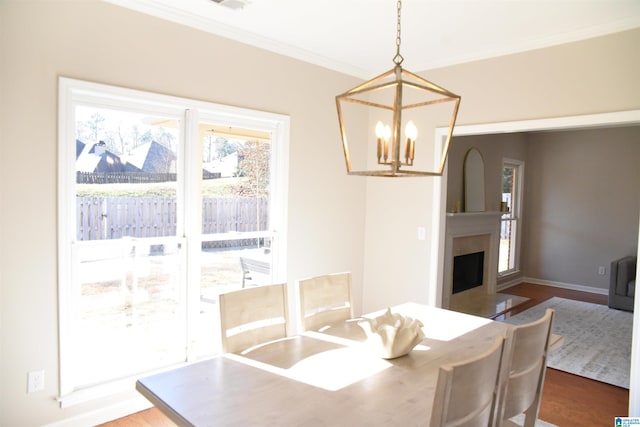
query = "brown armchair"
x=622 y=285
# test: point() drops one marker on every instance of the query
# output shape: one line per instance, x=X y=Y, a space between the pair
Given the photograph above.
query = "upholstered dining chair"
x=466 y=392
x=325 y=300
x=252 y=316
x=522 y=377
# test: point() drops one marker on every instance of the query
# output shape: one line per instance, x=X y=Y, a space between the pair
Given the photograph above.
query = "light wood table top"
x=322 y=379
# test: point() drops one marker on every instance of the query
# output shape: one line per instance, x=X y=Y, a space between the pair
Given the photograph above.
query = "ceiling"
x=358 y=37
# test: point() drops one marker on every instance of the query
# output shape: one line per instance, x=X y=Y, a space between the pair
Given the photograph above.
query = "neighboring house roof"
x=79 y=147
x=96 y=158
x=152 y=157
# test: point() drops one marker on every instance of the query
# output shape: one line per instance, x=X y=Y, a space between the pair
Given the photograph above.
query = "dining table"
x=331 y=377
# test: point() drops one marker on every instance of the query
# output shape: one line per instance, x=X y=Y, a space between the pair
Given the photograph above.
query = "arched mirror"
x=473 y=181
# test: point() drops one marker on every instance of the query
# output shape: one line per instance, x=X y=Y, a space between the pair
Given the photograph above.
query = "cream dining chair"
x=466 y=392
x=252 y=316
x=325 y=300
x=524 y=370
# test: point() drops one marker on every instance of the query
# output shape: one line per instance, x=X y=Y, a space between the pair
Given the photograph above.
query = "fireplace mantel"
x=471 y=224
x=473 y=214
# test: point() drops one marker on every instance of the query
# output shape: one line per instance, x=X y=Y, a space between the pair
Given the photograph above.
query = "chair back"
x=325 y=300
x=524 y=370
x=466 y=392
x=252 y=316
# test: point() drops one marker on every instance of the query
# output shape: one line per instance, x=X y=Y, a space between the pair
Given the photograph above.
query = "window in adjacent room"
x=510 y=224
x=159 y=198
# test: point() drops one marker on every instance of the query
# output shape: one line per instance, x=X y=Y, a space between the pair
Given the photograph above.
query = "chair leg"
x=529 y=420
x=531 y=415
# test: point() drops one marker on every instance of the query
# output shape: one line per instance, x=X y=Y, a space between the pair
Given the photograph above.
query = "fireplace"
x=468 y=271
x=471 y=244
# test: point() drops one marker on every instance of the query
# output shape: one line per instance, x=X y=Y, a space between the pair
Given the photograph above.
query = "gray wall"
x=493 y=149
x=581 y=201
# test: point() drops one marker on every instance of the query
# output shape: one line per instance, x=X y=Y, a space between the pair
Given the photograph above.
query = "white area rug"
x=597 y=339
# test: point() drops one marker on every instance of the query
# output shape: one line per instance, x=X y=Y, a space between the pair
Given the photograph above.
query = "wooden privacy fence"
x=132 y=177
x=101 y=218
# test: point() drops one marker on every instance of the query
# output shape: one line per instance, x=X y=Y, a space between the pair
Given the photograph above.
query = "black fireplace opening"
x=468 y=271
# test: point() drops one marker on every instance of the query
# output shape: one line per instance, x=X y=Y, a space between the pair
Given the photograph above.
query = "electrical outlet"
x=35 y=381
x=601 y=270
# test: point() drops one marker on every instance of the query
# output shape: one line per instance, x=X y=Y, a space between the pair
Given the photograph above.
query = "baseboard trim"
x=509 y=283
x=103 y=415
x=551 y=283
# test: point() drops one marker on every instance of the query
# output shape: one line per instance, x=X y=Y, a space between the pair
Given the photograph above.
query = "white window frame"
x=71 y=92
x=515 y=212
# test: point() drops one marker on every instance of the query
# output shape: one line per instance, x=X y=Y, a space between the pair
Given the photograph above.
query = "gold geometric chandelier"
x=401 y=111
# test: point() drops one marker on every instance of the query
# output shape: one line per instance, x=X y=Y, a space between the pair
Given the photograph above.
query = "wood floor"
x=567 y=401
x=570 y=400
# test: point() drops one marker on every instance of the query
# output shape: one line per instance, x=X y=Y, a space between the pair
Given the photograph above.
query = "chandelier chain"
x=398 y=58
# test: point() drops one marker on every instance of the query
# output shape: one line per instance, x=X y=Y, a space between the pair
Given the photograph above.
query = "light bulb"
x=379 y=130
x=387 y=132
x=411 y=131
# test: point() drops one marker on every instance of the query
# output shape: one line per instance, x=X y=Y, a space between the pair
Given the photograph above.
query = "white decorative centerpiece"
x=392 y=335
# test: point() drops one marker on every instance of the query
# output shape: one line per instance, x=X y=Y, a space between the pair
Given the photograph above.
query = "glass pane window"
x=127 y=262
x=130 y=316
x=125 y=174
x=512 y=173
x=225 y=266
x=236 y=181
x=156 y=220
x=237 y=246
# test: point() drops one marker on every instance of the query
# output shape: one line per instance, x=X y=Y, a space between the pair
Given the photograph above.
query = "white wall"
x=330 y=214
x=583 y=78
x=99 y=42
x=593 y=76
